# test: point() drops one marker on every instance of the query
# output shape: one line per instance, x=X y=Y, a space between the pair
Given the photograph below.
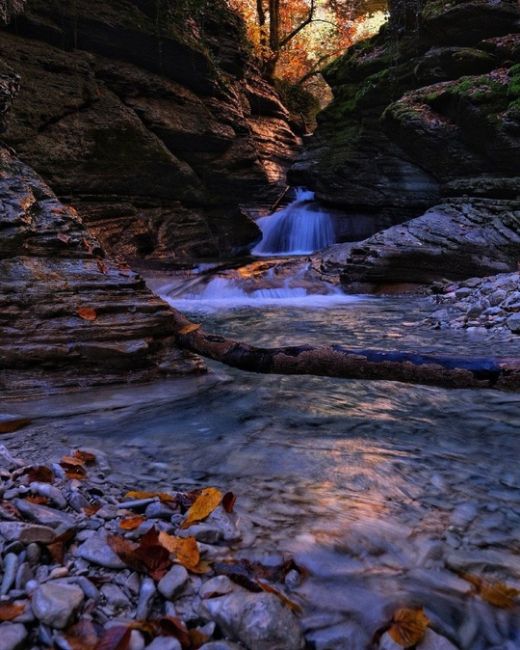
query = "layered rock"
x=69 y=317
x=427 y=113
x=153 y=122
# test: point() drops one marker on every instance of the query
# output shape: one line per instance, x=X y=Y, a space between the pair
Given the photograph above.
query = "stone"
x=97 y=551
x=164 y=643
x=13 y=636
x=434 y=641
x=146 y=596
x=45 y=516
x=217 y=586
x=345 y=636
x=513 y=323
x=26 y=533
x=258 y=621
x=54 y=603
x=115 y=597
x=173 y=582
x=220 y=645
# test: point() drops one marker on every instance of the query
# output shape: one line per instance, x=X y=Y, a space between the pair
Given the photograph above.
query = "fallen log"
x=339 y=361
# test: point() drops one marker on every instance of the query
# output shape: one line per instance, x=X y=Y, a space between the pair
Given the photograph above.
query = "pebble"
x=44 y=515
x=217 y=586
x=164 y=643
x=259 y=621
x=146 y=596
x=115 y=597
x=97 y=551
x=9 y=569
x=54 y=603
x=173 y=582
x=12 y=636
x=26 y=532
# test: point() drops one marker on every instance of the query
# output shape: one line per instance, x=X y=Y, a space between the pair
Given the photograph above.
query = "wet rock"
x=164 y=643
x=220 y=645
x=217 y=586
x=344 y=636
x=12 y=636
x=115 y=597
x=258 y=621
x=146 y=596
x=9 y=573
x=219 y=526
x=173 y=582
x=97 y=551
x=434 y=641
x=44 y=515
x=54 y=603
x=513 y=323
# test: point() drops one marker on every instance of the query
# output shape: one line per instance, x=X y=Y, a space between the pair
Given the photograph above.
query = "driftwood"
x=338 y=361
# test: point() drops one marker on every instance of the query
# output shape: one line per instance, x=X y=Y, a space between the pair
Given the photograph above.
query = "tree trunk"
x=338 y=361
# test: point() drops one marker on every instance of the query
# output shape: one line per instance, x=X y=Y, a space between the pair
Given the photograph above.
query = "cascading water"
x=299 y=229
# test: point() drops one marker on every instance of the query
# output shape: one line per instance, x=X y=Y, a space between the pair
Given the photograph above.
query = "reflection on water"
x=384 y=491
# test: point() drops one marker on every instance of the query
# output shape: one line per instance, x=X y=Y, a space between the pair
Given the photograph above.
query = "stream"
x=385 y=492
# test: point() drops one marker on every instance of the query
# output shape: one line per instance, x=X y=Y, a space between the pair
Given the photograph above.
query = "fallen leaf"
x=141 y=494
x=78 y=474
x=201 y=568
x=91 y=509
x=495 y=593
x=408 y=626
x=209 y=499
x=8 y=611
x=102 y=266
x=188 y=329
x=86 y=313
x=63 y=237
x=39 y=474
x=293 y=606
x=146 y=557
x=115 y=638
x=197 y=638
x=185 y=549
x=82 y=635
x=131 y=523
x=71 y=461
x=85 y=456
x=57 y=547
x=173 y=626
x=37 y=499
x=228 y=501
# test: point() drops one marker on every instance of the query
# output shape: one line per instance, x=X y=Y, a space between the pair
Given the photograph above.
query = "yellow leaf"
x=204 y=504
x=185 y=549
x=131 y=523
x=495 y=593
x=188 y=329
x=408 y=626
x=141 y=494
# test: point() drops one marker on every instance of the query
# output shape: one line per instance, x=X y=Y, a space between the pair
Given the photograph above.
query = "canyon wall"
x=152 y=119
x=425 y=123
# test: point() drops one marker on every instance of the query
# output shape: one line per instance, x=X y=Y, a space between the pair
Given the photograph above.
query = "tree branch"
x=298 y=28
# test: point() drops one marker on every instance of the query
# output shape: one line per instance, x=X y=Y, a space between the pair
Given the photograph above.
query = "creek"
x=385 y=492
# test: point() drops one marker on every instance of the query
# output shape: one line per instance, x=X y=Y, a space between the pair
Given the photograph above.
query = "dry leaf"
x=63 y=237
x=84 y=456
x=37 y=499
x=197 y=638
x=147 y=557
x=115 y=638
x=82 y=635
x=10 y=424
x=228 y=501
x=408 y=627
x=39 y=474
x=494 y=593
x=71 y=461
x=102 y=267
x=188 y=329
x=9 y=611
x=173 y=626
x=131 y=523
x=91 y=509
x=78 y=474
x=209 y=499
x=185 y=549
x=141 y=494
x=86 y=313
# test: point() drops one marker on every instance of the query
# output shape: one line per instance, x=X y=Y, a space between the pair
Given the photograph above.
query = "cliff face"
x=426 y=113
x=154 y=123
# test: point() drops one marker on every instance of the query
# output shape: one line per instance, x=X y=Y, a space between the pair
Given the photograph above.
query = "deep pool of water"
x=384 y=491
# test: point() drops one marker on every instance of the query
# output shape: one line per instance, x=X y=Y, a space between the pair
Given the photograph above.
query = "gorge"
x=147 y=162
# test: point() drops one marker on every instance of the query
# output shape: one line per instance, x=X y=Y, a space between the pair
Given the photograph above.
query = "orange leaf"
x=141 y=494
x=173 y=626
x=209 y=499
x=39 y=474
x=197 y=638
x=228 y=501
x=71 y=461
x=86 y=313
x=408 y=626
x=91 y=509
x=499 y=594
x=8 y=425
x=38 y=499
x=188 y=329
x=185 y=549
x=131 y=523
x=8 y=611
x=78 y=474
x=85 y=456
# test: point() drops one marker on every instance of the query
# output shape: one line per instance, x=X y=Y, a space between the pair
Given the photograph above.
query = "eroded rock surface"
x=426 y=113
x=152 y=120
x=69 y=316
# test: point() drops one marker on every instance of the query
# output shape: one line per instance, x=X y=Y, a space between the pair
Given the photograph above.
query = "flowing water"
x=301 y=228
x=384 y=491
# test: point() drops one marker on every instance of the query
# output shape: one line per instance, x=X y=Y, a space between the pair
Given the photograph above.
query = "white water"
x=299 y=229
x=223 y=293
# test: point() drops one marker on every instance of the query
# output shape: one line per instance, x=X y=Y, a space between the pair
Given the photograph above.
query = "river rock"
x=217 y=586
x=345 y=636
x=54 y=603
x=13 y=636
x=96 y=550
x=173 y=582
x=164 y=643
x=258 y=621
x=26 y=533
x=44 y=515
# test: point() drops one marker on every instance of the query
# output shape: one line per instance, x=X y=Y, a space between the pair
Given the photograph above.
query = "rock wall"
x=426 y=113
x=151 y=120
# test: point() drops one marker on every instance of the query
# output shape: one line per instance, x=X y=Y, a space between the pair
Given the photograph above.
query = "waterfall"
x=300 y=228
